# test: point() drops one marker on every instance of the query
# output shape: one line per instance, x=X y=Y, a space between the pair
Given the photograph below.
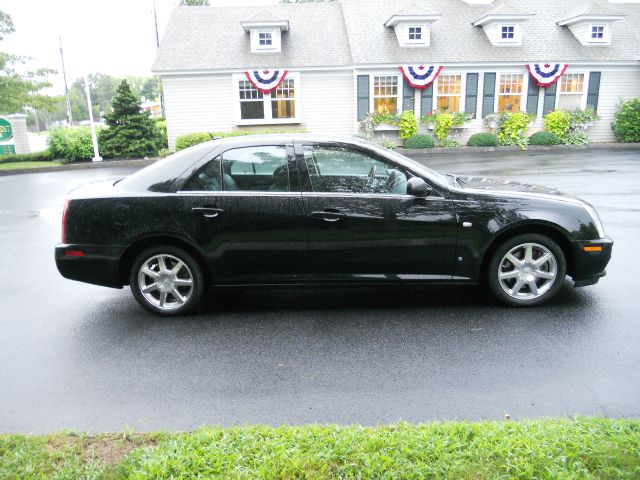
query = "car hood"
x=504 y=185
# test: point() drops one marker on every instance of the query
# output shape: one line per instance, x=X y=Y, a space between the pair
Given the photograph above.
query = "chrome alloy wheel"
x=527 y=271
x=165 y=281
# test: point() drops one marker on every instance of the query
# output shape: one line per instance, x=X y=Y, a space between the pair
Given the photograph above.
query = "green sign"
x=5 y=130
x=7 y=149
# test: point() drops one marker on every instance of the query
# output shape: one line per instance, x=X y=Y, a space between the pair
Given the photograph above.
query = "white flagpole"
x=94 y=138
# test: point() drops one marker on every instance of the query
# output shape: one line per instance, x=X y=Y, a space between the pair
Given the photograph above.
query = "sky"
x=116 y=37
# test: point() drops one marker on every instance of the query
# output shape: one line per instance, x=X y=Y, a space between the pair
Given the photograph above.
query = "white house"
x=331 y=63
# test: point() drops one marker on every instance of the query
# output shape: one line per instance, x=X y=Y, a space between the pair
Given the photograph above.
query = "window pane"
x=206 y=178
x=248 y=91
x=449 y=84
x=449 y=104
x=572 y=83
x=256 y=169
x=388 y=104
x=511 y=83
x=283 y=105
x=336 y=169
x=569 y=102
x=509 y=103
x=251 y=110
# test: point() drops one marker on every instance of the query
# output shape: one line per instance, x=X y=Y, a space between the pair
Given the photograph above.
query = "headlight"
x=596 y=219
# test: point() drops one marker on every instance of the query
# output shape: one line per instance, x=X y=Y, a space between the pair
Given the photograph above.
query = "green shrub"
x=43 y=156
x=513 y=128
x=626 y=125
x=557 y=122
x=191 y=139
x=160 y=126
x=408 y=125
x=544 y=138
x=390 y=144
x=443 y=122
x=576 y=137
x=70 y=144
x=483 y=140
x=448 y=143
x=419 y=141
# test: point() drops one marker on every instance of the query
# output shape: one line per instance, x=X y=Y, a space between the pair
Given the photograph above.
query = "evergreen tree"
x=130 y=132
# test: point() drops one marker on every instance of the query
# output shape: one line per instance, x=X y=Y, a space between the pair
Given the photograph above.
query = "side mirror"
x=418 y=187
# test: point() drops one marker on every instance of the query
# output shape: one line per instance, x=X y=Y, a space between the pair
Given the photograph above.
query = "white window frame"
x=275 y=40
x=525 y=90
x=422 y=28
x=400 y=97
x=605 y=33
x=585 y=89
x=463 y=89
x=266 y=101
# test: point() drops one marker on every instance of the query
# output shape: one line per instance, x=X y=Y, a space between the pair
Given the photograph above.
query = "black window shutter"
x=549 y=98
x=363 y=96
x=488 y=93
x=594 y=90
x=471 y=100
x=408 y=95
x=532 y=97
x=426 y=100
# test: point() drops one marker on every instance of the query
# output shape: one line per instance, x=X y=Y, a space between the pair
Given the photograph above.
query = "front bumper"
x=98 y=264
x=589 y=266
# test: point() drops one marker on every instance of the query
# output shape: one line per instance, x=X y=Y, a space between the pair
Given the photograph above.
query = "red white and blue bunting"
x=266 y=79
x=546 y=74
x=420 y=76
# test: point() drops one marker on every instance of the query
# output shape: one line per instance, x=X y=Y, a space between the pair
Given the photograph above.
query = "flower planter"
x=386 y=127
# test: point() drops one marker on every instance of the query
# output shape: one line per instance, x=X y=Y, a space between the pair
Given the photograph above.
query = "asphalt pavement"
x=89 y=358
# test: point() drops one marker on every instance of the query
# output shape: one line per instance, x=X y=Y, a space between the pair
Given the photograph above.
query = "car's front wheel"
x=527 y=270
x=167 y=280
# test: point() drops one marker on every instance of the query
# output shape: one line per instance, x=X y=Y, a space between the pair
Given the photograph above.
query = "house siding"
x=327 y=102
x=197 y=103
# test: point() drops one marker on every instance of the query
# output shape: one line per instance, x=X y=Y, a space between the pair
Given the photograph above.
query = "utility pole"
x=66 y=89
x=94 y=138
x=155 y=20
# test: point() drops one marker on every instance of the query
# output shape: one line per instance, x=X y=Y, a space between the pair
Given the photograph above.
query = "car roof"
x=243 y=140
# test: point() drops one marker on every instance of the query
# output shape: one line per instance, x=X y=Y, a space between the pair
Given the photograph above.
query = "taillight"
x=65 y=216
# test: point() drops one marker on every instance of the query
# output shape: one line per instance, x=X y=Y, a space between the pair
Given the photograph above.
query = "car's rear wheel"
x=167 y=280
x=526 y=270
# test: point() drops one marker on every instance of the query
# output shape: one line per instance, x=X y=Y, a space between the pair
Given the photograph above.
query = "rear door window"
x=261 y=169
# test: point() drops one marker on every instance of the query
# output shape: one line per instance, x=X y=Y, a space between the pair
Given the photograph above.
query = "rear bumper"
x=589 y=266
x=99 y=265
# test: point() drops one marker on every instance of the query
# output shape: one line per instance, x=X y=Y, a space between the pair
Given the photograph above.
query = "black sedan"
x=301 y=209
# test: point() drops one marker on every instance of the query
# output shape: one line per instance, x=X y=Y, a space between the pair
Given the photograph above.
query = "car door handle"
x=208 y=212
x=328 y=215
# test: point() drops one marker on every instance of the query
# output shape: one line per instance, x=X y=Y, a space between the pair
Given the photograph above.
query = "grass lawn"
x=21 y=165
x=580 y=448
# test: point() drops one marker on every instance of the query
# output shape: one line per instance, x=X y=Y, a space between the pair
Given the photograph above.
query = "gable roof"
x=593 y=9
x=212 y=38
x=353 y=32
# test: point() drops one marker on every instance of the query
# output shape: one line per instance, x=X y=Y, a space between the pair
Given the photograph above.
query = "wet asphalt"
x=84 y=357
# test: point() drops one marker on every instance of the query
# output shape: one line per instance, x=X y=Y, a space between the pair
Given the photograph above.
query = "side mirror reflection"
x=418 y=187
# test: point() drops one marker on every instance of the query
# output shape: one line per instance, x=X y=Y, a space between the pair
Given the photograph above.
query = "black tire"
x=180 y=297
x=526 y=295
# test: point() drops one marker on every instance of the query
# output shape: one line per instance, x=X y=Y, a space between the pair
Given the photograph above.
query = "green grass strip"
x=29 y=165
x=579 y=448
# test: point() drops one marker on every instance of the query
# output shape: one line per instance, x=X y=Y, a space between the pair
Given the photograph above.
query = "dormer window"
x=265 y=39
x=508 y=32
x=415 y=33
x=265 y=32
x=597 y=32
x=591 y=23
x=412 y=26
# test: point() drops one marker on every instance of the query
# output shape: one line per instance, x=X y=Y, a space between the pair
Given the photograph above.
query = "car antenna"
x=214 y=138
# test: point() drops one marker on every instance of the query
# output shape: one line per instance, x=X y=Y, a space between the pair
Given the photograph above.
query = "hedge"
x=191 y=139
x=419 y=141
x=43 y=156
x=544 y=138
x=71 y=144
x=483 y=140
x=626 y=126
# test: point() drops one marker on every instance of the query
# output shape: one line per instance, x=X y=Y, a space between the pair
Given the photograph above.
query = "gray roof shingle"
x=353 y=31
